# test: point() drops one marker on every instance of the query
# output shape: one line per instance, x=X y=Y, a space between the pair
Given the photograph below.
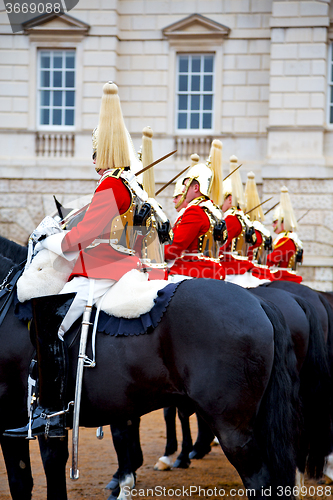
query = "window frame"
x=35 y=46
x=189 y=93
x=52 y=127
x=191 y=47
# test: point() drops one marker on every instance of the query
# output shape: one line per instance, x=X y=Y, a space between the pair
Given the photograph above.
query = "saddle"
x=110 y=324
x=131 y=297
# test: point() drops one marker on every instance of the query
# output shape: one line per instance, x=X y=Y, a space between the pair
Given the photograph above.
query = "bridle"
x=7 y=289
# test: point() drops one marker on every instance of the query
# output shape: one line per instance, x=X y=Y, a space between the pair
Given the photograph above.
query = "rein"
x=7 y=289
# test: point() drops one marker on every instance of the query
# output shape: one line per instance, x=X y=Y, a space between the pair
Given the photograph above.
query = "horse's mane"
x=13 y=251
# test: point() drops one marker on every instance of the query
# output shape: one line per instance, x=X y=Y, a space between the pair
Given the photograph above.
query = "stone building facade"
x=261 y=82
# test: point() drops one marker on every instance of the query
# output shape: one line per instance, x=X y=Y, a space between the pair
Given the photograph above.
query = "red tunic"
x=111 y=198
x=233 y=264
x=192 y=224
x=259 y=271
x=234 y=228
x=283 y=251
x=256 y=245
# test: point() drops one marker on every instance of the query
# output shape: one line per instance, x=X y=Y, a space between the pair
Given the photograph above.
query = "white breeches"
x=245 y=280
x=80 y=285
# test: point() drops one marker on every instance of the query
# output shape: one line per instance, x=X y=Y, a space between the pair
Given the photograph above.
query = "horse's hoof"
x=181 y=464
x=114 y=494
x=114 y=483
x=197 y=455
x=163 y=463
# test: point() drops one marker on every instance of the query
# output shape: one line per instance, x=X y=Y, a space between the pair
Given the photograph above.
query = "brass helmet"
x=252 y=199
x=203 y=175
x=209 y=175
x=237 y=191
x=179 y=188
x=215 y=158
x=284 y=212
x=227 y=188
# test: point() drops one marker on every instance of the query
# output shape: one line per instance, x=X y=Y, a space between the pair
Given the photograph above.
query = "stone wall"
x=312 y=202
x=25 y=203
x=270 y=103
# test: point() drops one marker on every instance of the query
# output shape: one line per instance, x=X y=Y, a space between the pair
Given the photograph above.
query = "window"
x=56 y=88
x=195 y=84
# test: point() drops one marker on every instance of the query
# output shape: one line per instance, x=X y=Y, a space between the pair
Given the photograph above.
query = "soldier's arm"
x=110 y=199
x=194 y=223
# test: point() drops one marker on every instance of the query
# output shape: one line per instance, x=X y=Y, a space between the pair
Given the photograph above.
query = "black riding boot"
x=48 y=313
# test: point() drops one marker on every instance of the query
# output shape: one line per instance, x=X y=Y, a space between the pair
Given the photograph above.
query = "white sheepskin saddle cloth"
x=131 y=296
x=46 y=275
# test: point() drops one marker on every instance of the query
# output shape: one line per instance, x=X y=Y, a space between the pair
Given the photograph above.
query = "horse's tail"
x=278 y=422
x=316 y=398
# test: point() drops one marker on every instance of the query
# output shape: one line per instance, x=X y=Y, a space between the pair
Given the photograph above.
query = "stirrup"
x=58 y=413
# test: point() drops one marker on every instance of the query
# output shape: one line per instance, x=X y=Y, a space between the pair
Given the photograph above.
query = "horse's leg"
x=183 y=461
x=202 y=446
x=54 y=453
x=245 y=455
x=263 y=451
x=17 y=460
x=165 y=462
x=135 y=451
x=121 y=437
x=171 y=434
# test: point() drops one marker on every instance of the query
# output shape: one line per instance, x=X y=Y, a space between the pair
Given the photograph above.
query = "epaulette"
x=293 y=236
x=212 y=208
x=261 y=228
x=115 y=173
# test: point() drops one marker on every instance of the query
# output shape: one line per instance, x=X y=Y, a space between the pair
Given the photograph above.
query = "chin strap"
x=182 y=199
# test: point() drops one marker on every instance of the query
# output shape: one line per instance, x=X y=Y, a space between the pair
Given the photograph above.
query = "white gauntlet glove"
x=47 y=227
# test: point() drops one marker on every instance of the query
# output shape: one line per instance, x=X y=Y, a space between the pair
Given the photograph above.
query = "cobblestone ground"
x=212 y=477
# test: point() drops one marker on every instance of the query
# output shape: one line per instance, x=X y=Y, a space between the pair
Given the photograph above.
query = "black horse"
x=313 y=366
x=201 y=447
x=247 y=391
x=313 y=361
x=15 y=360
x=323 y=304
x=16 y=352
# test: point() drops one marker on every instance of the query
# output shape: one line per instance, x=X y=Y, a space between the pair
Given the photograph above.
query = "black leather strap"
x=8 y=292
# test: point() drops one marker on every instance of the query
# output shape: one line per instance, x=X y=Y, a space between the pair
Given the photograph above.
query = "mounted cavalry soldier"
x=257 y=253
x=177 y=198
x=199 y=230
x=241 y=234
x=105 y=244
x=287 y=247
